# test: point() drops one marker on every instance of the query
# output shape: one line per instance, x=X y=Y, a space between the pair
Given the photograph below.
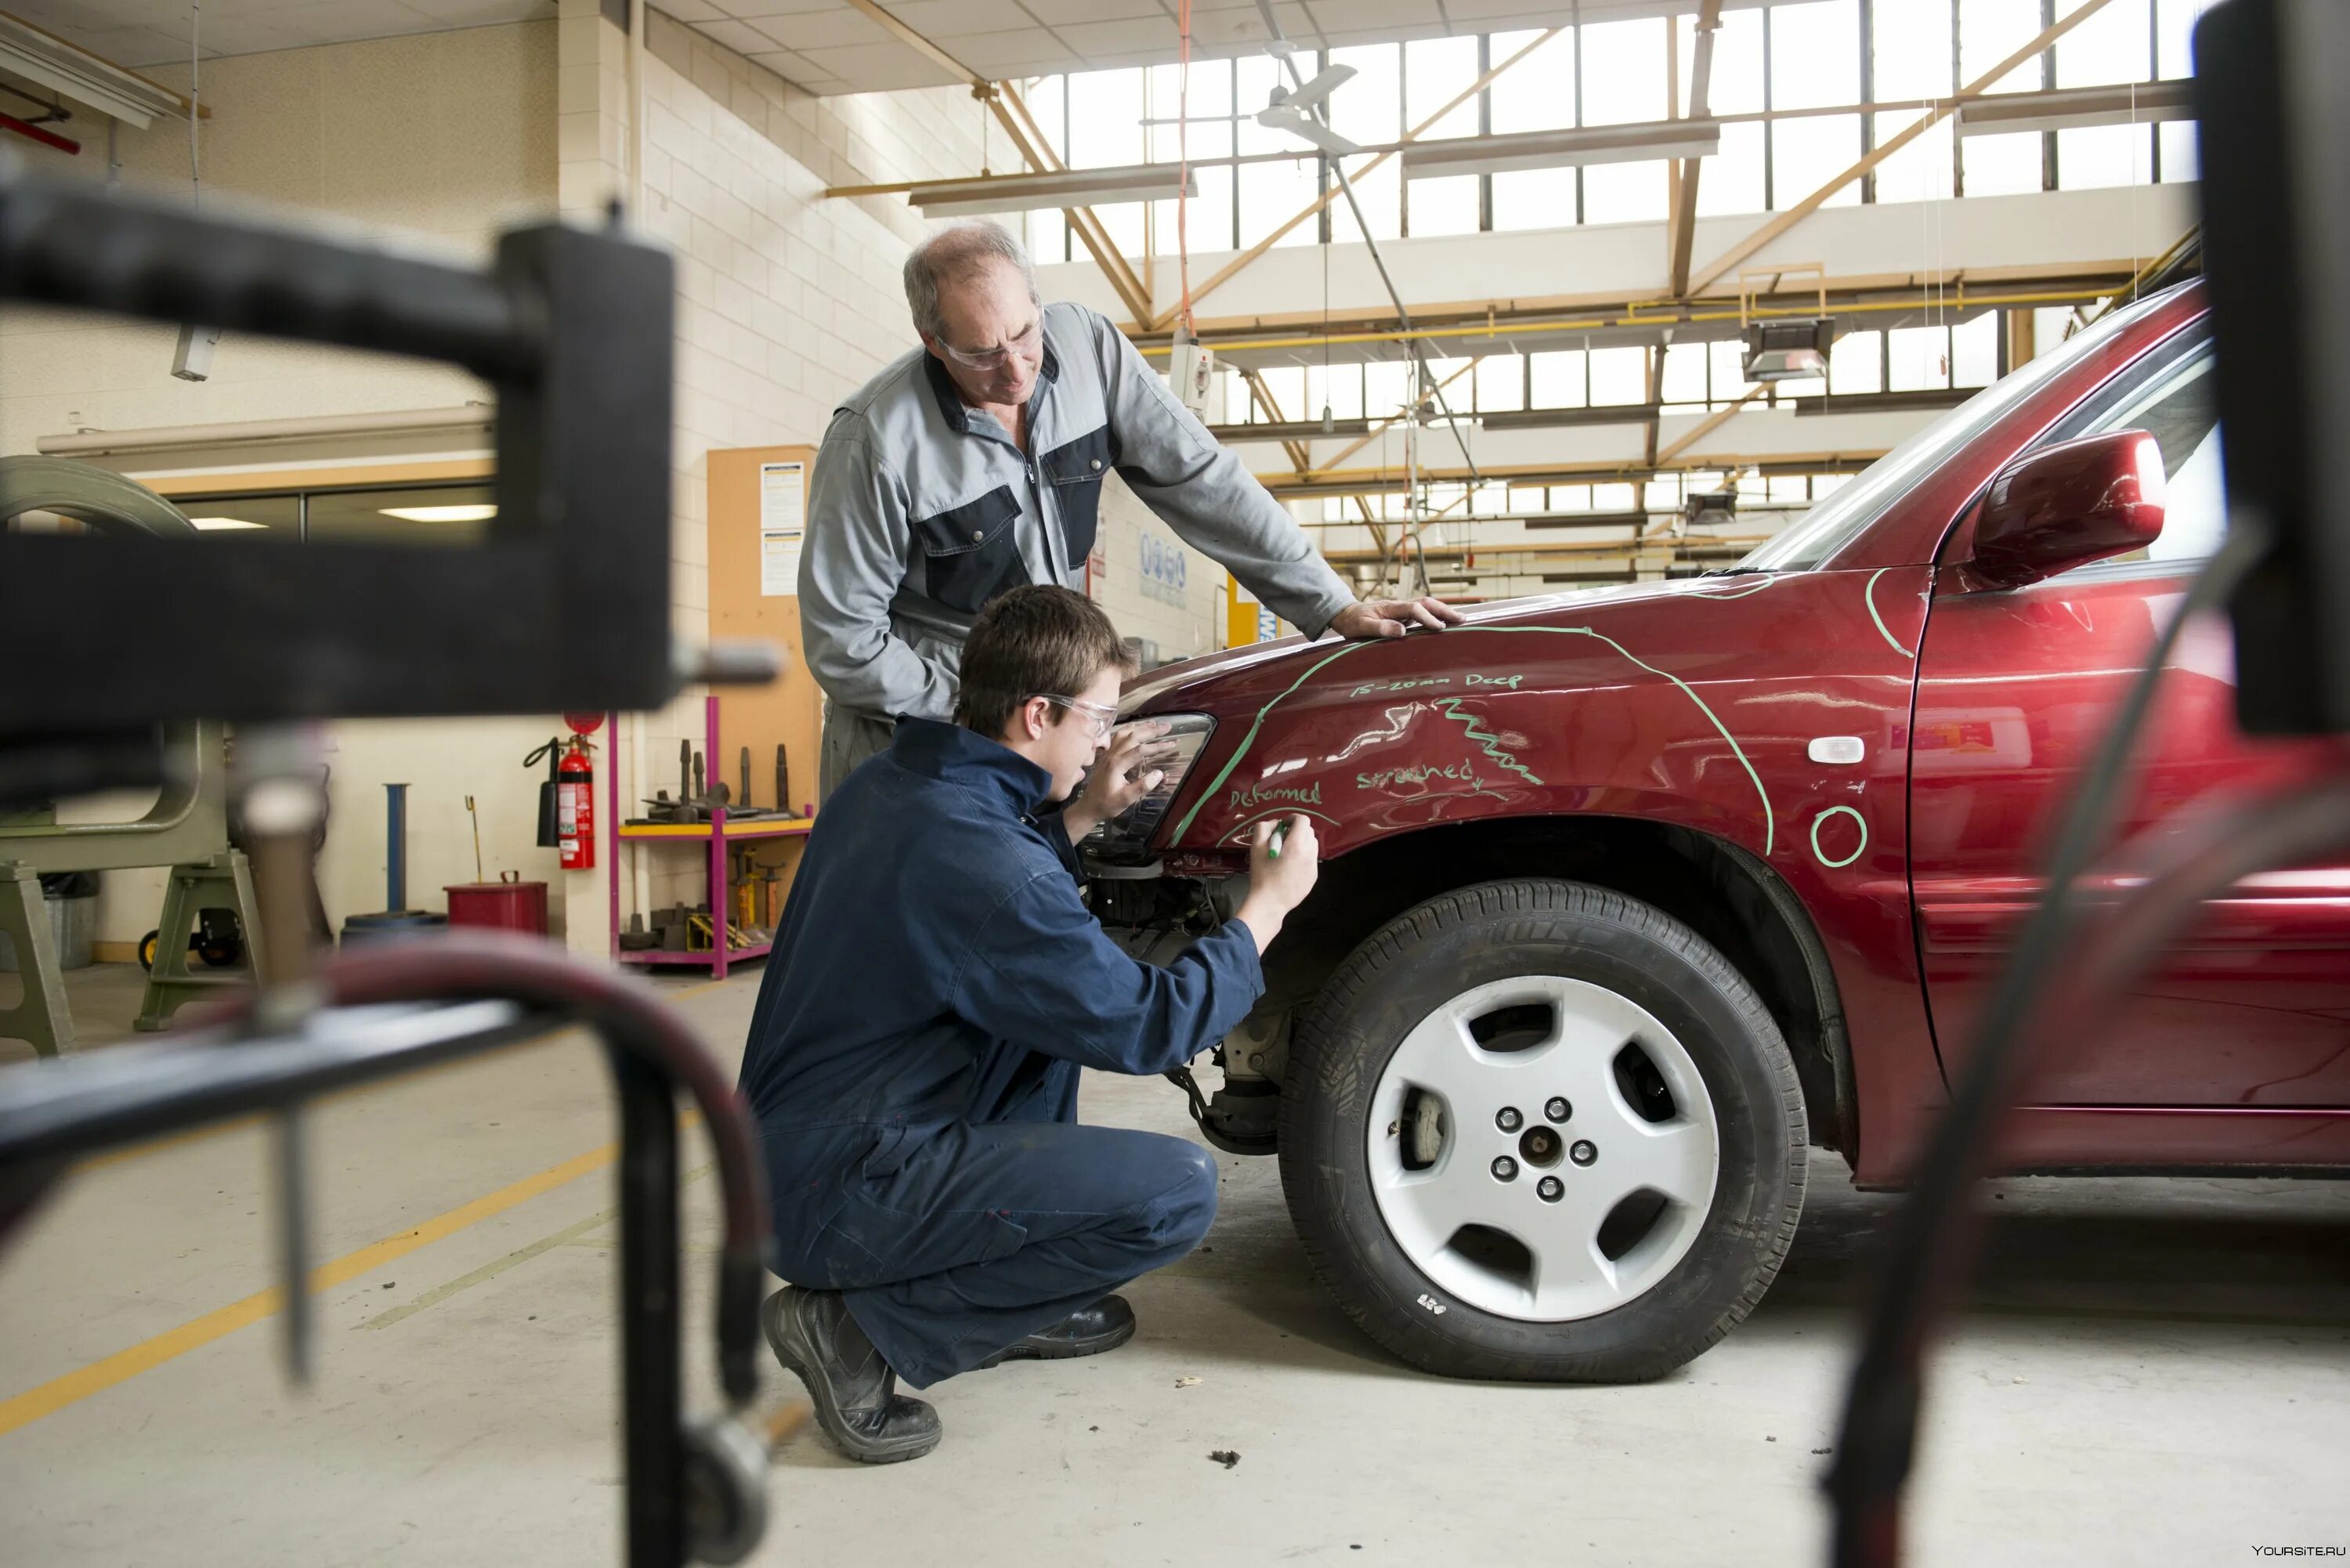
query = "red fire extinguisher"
x=575 y=807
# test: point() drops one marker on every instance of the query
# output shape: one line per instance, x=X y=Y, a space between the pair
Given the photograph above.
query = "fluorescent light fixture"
x=476 y=514
x=1795 y=349
x=1586 y=144
x=2072 y=108
x=87 y=79
x=1063 y=188
x=220 y=524
x=1553 y=418
x=192 y=361
x=1288 y=430
x=1709 y=508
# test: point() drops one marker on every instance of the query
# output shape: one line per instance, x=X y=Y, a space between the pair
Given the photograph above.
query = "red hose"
x=630 y=1016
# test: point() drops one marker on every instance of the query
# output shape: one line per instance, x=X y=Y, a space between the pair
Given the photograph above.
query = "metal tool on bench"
x=563 y=606
x=712 y=794
x=738 y=805
x=687 y=807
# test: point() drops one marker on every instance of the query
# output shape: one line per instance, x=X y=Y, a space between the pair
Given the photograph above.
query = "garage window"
x=438 y=515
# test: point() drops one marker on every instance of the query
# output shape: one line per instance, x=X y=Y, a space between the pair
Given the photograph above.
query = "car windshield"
x=1834 y=523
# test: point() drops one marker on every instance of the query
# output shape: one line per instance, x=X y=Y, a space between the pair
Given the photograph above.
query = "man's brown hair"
x=1035 y=641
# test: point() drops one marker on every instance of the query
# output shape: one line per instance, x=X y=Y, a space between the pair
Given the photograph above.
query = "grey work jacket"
x=920 y=510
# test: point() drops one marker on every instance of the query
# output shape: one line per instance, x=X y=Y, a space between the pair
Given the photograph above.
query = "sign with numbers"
x=1165 y=569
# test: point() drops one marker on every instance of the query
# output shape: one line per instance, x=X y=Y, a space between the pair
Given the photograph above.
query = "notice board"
x=758 y=513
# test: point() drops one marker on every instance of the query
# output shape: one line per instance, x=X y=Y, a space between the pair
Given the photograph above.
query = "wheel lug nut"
x=1505 y=1169
x=1508 y=1119
x=1584 y=1152
x=1551 y=1189
x=1557 y=1109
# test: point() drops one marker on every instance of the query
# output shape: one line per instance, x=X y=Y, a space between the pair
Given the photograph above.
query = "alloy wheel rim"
x=1517 y=1209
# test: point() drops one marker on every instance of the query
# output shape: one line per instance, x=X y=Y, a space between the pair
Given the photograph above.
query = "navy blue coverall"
x=935 y=986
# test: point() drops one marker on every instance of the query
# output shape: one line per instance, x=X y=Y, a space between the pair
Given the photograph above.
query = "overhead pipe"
x=1632 y=317
x=26 y=129
x=249 y=432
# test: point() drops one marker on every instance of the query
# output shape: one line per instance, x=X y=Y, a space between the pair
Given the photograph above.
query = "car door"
x=2015 y=689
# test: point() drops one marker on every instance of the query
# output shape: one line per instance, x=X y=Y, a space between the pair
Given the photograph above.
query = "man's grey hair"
x=953 y=255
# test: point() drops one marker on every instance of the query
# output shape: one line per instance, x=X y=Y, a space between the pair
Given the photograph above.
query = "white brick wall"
x=1180 y=630
x=788 y=301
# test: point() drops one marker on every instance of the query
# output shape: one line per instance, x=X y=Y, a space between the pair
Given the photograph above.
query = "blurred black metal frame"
x=564 y=605
x=2276 y=196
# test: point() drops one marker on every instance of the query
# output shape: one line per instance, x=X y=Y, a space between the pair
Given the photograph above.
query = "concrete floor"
x=2153 y=1371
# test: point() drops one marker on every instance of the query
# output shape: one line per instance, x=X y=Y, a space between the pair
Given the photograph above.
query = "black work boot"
x=856 y=1393
x=1088 y=1331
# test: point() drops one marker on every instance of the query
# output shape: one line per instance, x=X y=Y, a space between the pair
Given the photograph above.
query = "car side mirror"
x=2064 y=505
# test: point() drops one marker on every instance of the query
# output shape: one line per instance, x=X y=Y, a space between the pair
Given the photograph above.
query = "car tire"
x=1594 y=958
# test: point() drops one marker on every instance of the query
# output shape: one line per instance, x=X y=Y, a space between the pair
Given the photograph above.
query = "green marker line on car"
x=1869 y=593
x=1770 y=823
x=1249 y=739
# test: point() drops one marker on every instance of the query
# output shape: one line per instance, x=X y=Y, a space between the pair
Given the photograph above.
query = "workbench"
x=720 y=835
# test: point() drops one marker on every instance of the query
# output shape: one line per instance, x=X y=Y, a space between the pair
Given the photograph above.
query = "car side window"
x=2169 y=393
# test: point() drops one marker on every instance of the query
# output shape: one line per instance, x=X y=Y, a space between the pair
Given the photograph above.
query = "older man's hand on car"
x=1370 y=619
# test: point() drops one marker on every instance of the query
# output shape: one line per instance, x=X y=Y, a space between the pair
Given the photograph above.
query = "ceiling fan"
x=1293 y=109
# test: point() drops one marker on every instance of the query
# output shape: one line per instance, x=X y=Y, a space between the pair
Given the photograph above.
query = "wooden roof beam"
x=1730 y=258
x=1242 y=262
x=1034 y=145
x=1680 y=230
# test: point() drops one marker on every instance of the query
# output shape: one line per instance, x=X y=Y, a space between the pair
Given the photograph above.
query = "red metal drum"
x=508 y=904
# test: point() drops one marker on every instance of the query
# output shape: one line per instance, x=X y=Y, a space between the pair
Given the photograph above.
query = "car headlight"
x=1125 y=839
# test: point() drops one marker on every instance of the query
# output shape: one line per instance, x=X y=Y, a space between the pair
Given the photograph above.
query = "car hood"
x=1194 y=683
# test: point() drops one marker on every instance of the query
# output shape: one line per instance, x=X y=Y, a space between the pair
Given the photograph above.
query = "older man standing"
x=975 y=463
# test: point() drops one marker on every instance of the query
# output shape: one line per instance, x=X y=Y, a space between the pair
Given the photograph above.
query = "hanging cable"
x=1326 y=422
x=2137 y=274
x=195 y=89
x=191 y=360
x=1184 y=160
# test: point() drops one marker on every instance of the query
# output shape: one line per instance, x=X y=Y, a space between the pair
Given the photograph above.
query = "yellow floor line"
x=122 y=1366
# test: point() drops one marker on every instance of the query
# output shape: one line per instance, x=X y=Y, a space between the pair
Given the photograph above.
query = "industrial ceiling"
x=833 y=46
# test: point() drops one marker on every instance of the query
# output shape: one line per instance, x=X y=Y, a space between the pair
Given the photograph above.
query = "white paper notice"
x=782 y=515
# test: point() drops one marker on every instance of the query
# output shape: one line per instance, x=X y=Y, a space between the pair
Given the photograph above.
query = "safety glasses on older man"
x=1100 y=716
x=1025 y=345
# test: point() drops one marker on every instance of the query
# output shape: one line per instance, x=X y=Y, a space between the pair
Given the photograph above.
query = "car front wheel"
x=1534 y=1130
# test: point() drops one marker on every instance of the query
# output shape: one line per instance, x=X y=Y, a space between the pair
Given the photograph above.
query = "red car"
x=1633 y=896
